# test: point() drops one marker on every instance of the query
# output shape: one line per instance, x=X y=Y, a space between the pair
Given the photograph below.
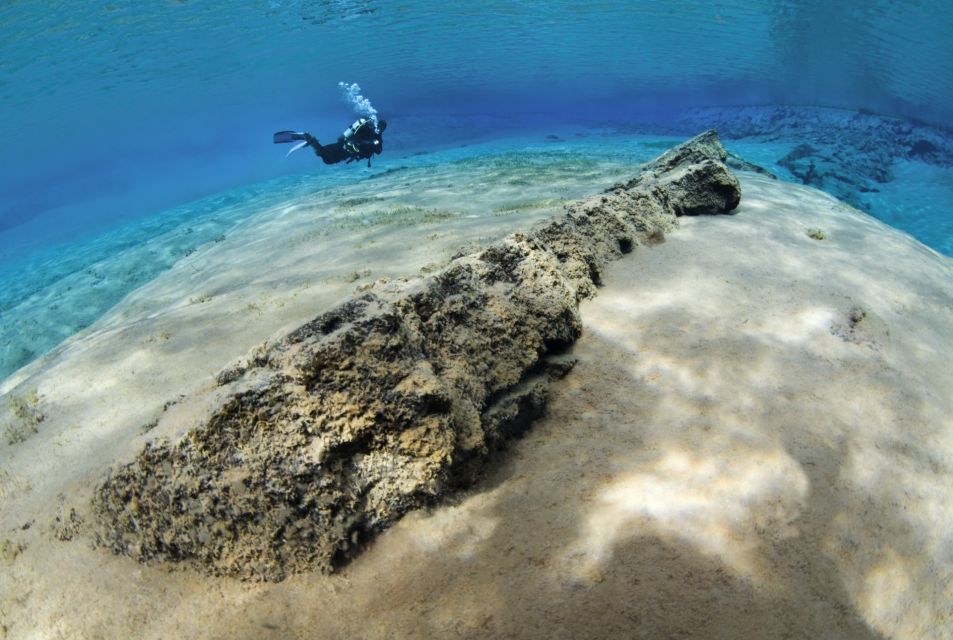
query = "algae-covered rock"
x=395 y=397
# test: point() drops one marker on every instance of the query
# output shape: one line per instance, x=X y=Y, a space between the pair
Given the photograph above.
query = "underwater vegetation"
x=395 y=214
x=26 y=414
x=527 y=205
x=538 y=167
x=350 y=203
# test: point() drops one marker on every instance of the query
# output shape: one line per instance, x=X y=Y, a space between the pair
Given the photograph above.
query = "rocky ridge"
x=394 y=398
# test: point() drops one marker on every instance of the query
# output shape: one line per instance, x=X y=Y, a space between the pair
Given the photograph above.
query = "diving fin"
x=296 y=147
x=289 y=136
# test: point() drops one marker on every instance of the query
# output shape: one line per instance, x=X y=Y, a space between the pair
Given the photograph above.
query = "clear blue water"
x=125 y=123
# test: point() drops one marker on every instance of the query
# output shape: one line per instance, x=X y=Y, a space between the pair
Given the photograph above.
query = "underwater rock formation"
x=847 y=154
x=394 y=398
x=740 y=164
x=835 y=174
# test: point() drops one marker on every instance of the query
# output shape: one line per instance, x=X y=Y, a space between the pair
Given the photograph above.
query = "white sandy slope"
x=733 y=457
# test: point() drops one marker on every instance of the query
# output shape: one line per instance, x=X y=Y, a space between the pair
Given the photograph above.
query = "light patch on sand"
x=723 y=506
x=888 y=598
x=802 y=326
x=888 y=562
x=452 y=531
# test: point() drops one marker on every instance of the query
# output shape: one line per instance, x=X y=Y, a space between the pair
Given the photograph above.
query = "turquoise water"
x=136 y=133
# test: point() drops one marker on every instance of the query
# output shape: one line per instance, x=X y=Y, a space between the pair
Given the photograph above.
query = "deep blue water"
x=117 y=115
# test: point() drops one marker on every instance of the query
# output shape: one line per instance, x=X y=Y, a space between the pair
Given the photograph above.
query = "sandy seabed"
x=756 y=442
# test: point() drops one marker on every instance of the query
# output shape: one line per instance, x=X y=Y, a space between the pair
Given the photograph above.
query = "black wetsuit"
x=361 y=141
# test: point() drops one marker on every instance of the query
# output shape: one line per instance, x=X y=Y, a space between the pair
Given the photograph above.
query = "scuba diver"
x=361 y=140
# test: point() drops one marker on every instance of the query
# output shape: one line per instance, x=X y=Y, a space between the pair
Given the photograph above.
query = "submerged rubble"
x=394 y=398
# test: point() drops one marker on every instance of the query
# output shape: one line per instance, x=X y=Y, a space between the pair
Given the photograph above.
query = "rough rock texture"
x=393 y=398
x=836 y=173
x=738 y=163
x=847 y=154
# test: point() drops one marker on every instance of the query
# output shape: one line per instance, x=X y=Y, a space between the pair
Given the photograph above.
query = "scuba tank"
x=350 y=131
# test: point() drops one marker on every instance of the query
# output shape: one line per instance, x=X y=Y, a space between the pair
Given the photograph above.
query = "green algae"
x=397 y=215
x=527 y=205
x=27 y=415
x=352 y=203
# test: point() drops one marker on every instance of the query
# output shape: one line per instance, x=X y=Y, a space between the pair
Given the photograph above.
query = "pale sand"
x=730 y=458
